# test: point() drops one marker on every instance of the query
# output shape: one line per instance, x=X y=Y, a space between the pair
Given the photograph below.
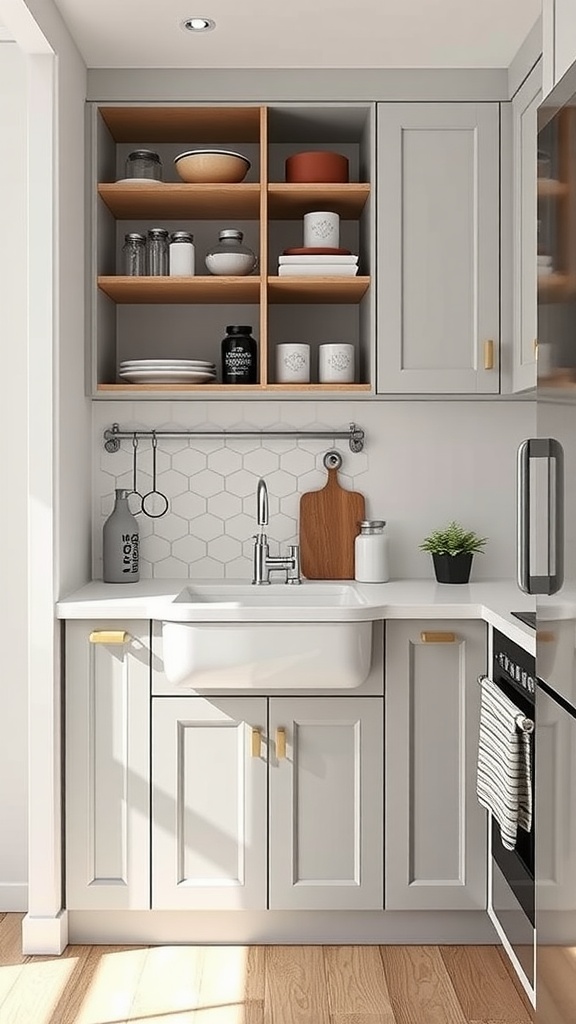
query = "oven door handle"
x=550 y=449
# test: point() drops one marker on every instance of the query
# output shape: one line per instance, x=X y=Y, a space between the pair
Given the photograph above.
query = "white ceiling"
x=301 y=33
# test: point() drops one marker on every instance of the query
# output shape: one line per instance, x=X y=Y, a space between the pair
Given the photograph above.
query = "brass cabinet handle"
x=256 y=742
x=438 y=638
x=489 y=355
x=109 y=636
x=280 y=744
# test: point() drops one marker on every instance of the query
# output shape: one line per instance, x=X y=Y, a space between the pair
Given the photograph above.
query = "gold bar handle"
x=438 y=638
x=256 y=742
x=280 y=744
x=489 y=355
x=109 y=636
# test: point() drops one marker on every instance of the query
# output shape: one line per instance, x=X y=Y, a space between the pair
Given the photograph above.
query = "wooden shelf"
x=180 y=387
x=317 y=289
x=550 y=187
x=556 y=287
x=181 y=289
x=318 y=387
x=231 y=388
x=171 y=200
x=287 y=201
x=190 y=125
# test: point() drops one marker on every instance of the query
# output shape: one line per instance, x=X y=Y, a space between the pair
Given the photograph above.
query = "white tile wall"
x=423 y=464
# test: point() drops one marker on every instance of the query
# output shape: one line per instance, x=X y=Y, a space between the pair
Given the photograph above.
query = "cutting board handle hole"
x=332 y=459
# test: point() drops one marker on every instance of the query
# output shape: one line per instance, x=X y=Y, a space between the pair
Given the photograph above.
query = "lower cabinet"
x=267 y=803
x=107 y=748
x=435 y=830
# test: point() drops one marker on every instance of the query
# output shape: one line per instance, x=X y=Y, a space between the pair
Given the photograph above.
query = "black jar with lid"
x=239 y=356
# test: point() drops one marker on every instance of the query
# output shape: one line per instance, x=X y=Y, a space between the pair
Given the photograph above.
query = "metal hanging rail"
x=114 y=435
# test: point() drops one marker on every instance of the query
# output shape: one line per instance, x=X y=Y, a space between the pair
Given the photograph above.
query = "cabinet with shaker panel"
x=436 y=838
x=438 y=228
x=107 y=751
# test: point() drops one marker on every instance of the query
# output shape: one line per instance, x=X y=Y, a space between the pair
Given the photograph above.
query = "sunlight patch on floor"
x=36 y=990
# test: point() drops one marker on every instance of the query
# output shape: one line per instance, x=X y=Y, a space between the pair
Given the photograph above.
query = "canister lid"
x=181 y=236
x=372 y=524
x=144 y=154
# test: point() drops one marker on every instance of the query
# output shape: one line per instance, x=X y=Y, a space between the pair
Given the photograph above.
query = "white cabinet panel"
x=435 y=830
x=208 y=804
x=107 y=768
x=326 y=812
x=525 y=145
x=438 y=247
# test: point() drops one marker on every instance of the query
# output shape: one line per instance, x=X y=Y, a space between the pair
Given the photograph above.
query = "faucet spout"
x=262 y=503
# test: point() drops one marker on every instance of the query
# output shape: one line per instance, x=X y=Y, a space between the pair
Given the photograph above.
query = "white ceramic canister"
x=293 y=363
x=182 y=258
x=336 y=363
x=321 y=229
x=371 y=553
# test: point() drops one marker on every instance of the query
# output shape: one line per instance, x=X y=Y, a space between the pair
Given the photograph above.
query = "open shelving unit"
x=144 y=317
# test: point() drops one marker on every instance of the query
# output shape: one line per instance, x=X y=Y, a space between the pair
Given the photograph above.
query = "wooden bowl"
x=211 y=165
x=314 y=166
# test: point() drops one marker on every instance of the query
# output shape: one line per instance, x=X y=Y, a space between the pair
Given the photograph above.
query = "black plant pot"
x=452 y=568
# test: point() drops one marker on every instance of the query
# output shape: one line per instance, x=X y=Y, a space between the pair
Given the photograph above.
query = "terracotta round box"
x=317 y=166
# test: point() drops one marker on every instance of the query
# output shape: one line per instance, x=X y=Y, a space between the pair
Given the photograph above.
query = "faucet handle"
x=293 y=574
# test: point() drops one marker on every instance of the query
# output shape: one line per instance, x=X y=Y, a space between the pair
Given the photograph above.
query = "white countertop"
x=400 y=599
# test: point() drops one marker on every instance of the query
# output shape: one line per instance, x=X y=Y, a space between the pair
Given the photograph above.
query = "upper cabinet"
x=147 y=317
x=524 y=228
x=559 y=40
x=438 y=229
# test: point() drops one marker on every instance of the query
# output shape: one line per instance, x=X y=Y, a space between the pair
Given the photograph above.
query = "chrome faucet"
x=264 y=563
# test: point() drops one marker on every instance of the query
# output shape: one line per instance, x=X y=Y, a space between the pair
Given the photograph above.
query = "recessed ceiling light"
x=199 y=24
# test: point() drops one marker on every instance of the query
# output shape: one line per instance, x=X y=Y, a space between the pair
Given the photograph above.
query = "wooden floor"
x=256 y=985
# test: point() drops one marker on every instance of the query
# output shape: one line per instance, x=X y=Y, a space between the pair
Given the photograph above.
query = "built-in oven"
x=511 y=901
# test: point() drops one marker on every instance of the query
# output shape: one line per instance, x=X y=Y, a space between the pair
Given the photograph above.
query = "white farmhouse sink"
x=221 y=636
x=281 y=595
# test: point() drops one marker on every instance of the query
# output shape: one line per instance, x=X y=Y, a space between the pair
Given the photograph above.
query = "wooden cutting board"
x=329 y=521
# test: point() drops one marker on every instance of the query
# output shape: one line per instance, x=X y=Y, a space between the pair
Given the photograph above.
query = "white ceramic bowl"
x=211 y=165
x=233 y=264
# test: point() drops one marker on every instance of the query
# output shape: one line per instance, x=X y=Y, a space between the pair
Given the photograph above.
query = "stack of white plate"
x=167 y=371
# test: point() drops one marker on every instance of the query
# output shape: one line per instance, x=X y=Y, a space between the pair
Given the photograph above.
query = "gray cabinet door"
x=209 y=803
x=326 y=791
x=107 y=766
x=435 y=830
x=525 y=145
x=438 y=247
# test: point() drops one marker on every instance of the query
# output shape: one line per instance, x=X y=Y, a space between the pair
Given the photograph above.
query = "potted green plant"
x=452 y=549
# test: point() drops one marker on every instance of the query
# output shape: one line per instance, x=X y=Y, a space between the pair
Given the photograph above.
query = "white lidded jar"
x=371 y=553
x=182 y=254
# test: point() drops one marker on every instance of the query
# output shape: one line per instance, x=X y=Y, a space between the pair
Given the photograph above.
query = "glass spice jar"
x=157 y=252
x=143 y=163
x=134 y=254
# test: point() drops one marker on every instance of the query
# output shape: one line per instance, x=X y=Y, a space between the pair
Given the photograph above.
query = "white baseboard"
x=280 y=927
x=13 y=897
x=45 y=935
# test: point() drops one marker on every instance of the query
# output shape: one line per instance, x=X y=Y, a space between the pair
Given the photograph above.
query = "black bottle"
x=239 y=356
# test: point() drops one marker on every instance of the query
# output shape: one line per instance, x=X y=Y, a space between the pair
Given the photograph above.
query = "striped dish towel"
x=504 y=764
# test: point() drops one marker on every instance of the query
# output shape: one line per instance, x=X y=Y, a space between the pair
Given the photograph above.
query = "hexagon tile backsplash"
x=208 y=530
